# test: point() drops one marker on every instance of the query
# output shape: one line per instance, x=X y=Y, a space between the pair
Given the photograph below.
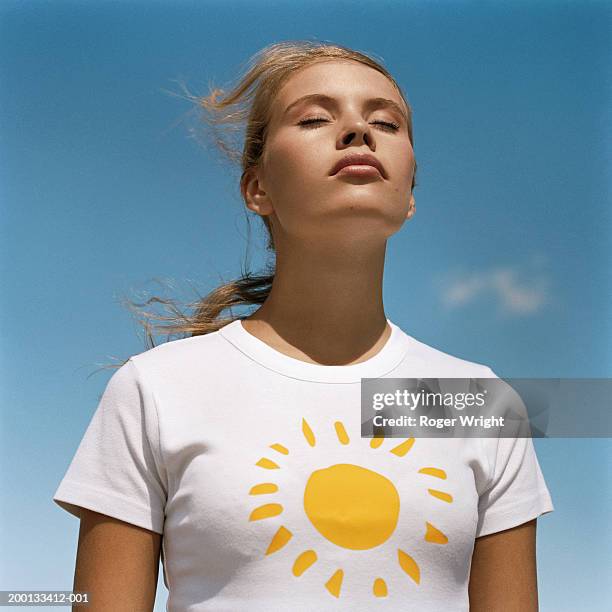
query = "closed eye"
x=314 y=120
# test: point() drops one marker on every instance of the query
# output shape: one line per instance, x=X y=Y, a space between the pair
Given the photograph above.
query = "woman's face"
x=295 y=185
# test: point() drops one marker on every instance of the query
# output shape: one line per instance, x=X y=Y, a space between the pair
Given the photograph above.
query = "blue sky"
x=104 y=189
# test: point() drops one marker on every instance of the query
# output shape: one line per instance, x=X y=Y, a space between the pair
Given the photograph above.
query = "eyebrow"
x=371 y=103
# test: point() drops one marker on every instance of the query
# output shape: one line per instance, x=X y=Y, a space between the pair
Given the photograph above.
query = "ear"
x=411 y=208
x=253 y=193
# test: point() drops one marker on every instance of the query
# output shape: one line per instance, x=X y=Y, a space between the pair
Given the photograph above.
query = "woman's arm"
x=117 y=564
x=503 y=576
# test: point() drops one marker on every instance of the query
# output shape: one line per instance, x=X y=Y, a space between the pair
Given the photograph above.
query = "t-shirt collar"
x=387 y=359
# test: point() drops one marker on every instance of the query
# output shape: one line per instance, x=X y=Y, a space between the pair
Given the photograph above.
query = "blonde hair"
x=249 y=102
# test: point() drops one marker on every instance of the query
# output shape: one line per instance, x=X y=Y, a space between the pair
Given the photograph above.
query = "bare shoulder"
x=117 y=563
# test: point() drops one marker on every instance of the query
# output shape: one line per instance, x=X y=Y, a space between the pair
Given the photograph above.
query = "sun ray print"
x=308 y=433
x=409 y=565
x=268 y=464
x=401 y=449
x=303 y=562
x=432 y=471
x=334 y=584
x=379 y=588
x=263 y=488
x=447 y=497
x=341 y=432
x=266 y=511
x=350 y=505
x=281 y=537
x=434 y=535
x=280 y=448
x=376 y=441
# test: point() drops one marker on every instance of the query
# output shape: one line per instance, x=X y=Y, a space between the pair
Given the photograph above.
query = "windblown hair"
x=248 y=107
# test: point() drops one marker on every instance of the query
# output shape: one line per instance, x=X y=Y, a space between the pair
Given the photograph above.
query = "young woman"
x=237 y=449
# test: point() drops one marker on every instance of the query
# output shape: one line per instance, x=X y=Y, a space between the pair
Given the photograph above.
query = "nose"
x=357 y=131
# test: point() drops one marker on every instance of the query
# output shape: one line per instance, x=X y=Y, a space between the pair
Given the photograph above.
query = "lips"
x=358 y=159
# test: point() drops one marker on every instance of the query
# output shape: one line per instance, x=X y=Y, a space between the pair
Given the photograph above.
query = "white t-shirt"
x=252 y=465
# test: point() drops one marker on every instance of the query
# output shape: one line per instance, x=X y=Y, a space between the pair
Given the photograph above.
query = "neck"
x=325 y=305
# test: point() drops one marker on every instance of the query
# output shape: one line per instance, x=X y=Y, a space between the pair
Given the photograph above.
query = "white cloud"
x=514 y=296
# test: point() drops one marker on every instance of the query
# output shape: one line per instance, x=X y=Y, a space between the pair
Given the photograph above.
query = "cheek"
x=283 y=180
x=403 y=164
x=293 y=165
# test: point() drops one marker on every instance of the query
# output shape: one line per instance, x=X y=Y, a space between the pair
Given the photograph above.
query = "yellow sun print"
x=351 y=506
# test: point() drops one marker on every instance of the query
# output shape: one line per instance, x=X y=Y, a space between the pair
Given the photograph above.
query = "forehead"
x=343 y=80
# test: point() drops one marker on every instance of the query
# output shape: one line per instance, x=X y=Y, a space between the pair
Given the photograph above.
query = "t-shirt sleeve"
x=117 y=469
x=515 y=492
